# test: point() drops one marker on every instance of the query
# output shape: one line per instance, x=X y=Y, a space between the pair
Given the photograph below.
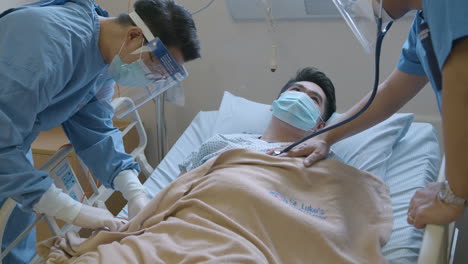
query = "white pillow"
x=239 y=115
x=368 y=150
x=371 y=149
x=414 y=163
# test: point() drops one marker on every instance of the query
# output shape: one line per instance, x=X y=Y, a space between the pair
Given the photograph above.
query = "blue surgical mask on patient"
x=297 y=109
x=132 y=74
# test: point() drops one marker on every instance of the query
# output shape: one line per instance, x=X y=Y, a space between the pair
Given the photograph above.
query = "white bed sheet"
x=414 y=163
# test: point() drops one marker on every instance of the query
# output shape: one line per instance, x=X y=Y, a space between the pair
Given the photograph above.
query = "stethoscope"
x=380 y=35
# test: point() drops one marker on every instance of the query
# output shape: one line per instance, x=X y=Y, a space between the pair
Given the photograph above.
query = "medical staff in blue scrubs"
x=436 y=51
x=54 y=70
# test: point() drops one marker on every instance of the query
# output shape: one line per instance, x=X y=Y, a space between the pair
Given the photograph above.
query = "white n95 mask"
x=297 y=109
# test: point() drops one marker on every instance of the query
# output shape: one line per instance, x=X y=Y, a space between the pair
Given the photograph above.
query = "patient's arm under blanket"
x=248 y=207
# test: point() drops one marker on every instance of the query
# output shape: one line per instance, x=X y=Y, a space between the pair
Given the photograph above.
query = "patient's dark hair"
x=172 y=23
x=312 y=74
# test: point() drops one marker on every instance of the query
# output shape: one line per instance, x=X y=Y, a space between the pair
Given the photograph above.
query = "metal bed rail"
x=100 y=194
x=10 y=204
x=436 y=244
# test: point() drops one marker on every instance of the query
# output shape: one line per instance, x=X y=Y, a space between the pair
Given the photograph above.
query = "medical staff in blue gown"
x=54 y=70
x=436 y=51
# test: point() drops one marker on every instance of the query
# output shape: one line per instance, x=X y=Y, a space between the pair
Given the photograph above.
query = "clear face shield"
x=157 y=68
x=366 y=18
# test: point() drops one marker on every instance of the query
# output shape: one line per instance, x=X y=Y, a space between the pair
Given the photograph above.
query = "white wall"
x=235 y=57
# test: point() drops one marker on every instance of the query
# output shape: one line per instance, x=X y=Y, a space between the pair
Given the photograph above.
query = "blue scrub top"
x=448 y=22
x=52 y=73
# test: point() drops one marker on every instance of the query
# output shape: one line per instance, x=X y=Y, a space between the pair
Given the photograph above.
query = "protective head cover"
x=362 y=17
x=297 y=109
x=153 y=73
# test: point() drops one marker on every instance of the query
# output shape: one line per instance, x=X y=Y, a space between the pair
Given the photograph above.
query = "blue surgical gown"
x=52 y=73
x=448 y=22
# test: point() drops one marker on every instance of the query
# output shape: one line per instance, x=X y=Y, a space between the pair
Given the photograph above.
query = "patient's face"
x=313 y=91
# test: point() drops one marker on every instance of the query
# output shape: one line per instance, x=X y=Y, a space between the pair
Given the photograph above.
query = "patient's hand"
x=426 y=208
x=314 y=149
x=136 y=204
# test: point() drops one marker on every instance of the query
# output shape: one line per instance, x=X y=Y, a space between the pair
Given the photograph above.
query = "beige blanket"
x=247 y=207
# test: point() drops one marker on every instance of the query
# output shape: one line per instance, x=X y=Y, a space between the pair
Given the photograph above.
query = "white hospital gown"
x=220 y=143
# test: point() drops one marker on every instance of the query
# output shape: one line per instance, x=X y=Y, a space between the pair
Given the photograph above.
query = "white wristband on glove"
x=128 y=184
x=56 y=203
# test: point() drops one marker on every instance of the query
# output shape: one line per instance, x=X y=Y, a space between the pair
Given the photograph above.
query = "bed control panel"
x=65 y=179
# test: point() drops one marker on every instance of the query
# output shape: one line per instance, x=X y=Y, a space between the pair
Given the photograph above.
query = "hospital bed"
x=414 y=161
x=403 y=153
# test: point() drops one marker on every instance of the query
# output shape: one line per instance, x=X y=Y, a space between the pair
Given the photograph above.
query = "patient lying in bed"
x=310 y=82
x=237 y=205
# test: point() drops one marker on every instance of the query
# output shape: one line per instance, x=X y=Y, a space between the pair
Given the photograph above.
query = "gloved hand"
x=58 y=204
x=136 y=204
x=132 y=190
x=96 y=218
